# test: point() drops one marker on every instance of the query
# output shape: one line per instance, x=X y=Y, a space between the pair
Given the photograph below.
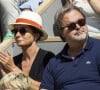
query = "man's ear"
x=61 y=33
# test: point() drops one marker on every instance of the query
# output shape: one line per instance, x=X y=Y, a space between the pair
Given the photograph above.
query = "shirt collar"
x=89 y=44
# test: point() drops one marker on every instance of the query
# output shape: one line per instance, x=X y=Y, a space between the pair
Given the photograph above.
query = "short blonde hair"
x=16 y=81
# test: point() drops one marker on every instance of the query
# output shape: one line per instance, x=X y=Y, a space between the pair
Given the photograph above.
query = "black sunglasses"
x=22 y=31
x=72 y=26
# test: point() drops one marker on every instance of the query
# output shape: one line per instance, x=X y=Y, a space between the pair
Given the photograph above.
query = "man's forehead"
x=73 y=14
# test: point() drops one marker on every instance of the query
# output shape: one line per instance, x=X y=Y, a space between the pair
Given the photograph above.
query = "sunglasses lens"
x=22 y=31
x=81 y=22
x=71 y=26
x=14 y=31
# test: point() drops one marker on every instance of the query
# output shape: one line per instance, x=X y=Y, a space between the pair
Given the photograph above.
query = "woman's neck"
x=30 y=52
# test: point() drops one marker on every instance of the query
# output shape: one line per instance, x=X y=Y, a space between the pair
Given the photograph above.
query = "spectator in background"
x=9 y=11
x=76 y=67
x=27 y=32
x=91 y=9
x=8 y=14
x=31 y=4
x=16 y=81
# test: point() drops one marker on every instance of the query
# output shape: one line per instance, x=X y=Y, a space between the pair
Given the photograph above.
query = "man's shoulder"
x=96 y=40
x=55 y=59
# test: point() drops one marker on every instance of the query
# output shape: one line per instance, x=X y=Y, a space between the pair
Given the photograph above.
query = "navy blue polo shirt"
x=82 y=73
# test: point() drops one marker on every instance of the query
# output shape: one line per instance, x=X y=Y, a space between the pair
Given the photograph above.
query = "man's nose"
x=77 y=26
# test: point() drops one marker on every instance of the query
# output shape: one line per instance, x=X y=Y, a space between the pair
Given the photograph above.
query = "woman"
x=27 y=31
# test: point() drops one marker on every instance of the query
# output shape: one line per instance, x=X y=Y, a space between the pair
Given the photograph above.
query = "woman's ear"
x=36 y=36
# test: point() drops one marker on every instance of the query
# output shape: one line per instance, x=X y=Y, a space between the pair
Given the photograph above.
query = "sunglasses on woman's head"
x=72 y=26
x=22 y=31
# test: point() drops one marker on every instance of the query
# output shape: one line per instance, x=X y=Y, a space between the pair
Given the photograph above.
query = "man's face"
x=75 y=28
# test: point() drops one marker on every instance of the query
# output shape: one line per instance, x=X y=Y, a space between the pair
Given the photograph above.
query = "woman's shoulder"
x=45 y=56
x=46 y=52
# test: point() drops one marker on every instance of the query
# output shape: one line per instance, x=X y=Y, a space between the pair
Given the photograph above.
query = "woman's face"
x=24 y=35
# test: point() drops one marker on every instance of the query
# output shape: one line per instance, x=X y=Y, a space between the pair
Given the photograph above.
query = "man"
x=77 y=66
x=91 y=10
